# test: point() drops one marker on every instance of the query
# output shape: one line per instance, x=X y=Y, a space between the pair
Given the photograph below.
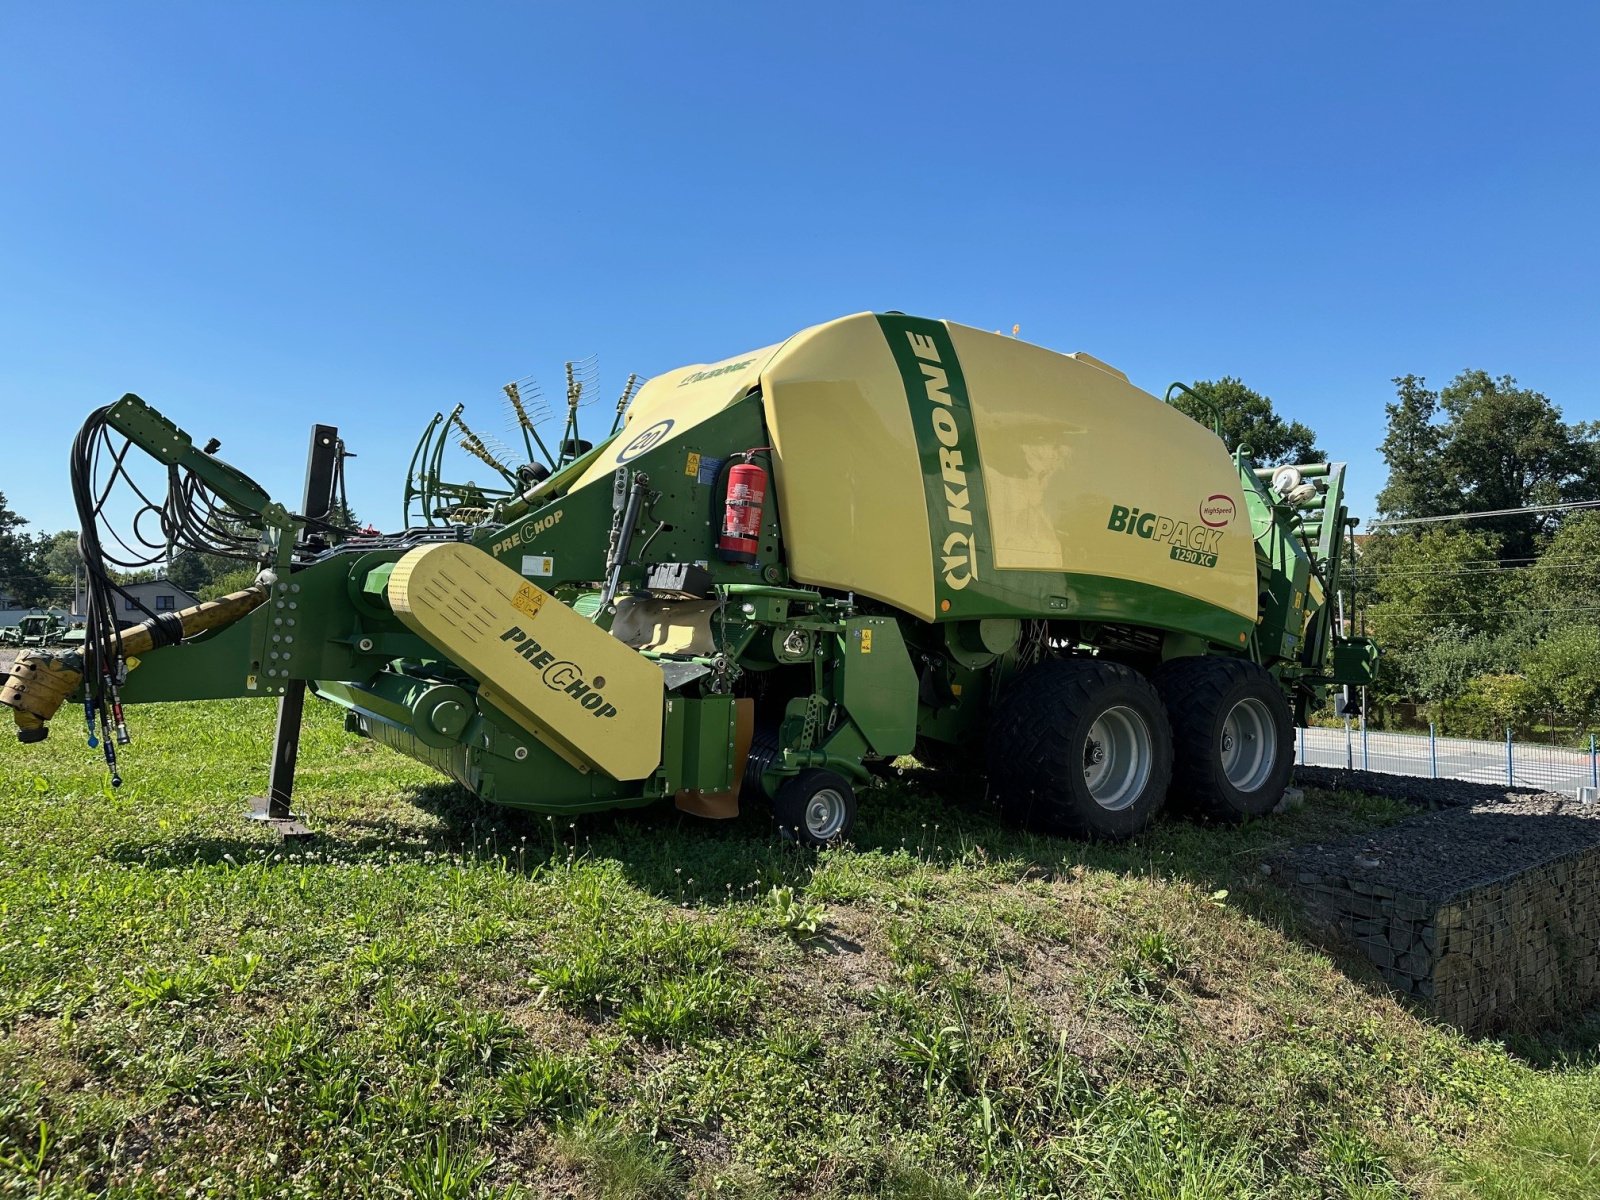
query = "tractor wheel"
x=1081 y=747
x=1232 y=736
x=816 y=808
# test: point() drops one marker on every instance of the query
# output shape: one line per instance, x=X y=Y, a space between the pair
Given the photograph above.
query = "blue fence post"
x=1594 y=764
x=1300 y=748
x=1364 y=765
x=1511 y=778
x=1433 y=750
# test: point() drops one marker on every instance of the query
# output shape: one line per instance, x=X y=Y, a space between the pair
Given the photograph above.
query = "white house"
x=157 y=595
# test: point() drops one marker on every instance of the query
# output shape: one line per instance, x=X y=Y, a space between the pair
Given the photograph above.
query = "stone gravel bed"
x=1487 y=909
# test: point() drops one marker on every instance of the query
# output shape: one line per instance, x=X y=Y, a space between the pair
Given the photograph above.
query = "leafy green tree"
x=1563 y=586
x=189 y=571
x=21 y=580
x=1440 y=669
x=1483 y=444
x=1413 y=585
x=1249 y=419
x=1500 y=700
x=1417 y=485
x=58 y=554
x=1565 y=667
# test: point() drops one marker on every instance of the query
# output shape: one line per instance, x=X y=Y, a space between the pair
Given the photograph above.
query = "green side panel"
x=1355 y=661
x=700 y=740
x=213 y=666
x=1099 y=598
x=941 y=416
x=564 y=541
x=1288 y=572
x=879 y=688
x=313 y=626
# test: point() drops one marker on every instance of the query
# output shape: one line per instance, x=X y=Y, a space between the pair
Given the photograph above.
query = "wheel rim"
x=1116 y=758
x=825 y=814
x=1249 y=745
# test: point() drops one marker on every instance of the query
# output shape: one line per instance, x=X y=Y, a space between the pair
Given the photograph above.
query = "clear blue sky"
x=261 y=216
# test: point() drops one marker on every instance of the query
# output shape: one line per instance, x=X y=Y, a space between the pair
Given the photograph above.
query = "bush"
x=233 y=581
x=1491 y=702
x=1565 y=668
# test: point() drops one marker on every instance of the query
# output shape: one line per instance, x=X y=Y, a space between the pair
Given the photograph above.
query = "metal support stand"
x=273 y=808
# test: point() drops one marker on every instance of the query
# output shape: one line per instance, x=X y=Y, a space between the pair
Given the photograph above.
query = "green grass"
x=440 y=999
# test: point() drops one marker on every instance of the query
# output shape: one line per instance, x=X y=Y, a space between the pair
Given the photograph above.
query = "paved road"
x=1532 y=765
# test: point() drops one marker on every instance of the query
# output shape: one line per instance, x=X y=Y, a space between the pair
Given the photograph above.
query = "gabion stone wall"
x=1489 y=914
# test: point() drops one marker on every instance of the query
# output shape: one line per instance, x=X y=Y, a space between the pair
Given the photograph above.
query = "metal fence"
x=1511 y=763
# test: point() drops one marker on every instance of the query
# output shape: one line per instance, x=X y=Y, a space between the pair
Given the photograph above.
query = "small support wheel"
x=816 y=808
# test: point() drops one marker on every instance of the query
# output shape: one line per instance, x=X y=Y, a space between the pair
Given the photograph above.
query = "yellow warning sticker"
x=691 y=465
x=528 y=600
x=866 y=641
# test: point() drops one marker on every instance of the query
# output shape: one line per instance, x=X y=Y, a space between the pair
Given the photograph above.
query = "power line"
x=1369 y=609
x=1507 y=573
x=1395 y=522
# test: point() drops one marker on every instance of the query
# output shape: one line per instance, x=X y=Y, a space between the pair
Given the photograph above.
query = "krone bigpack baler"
x=883 y=536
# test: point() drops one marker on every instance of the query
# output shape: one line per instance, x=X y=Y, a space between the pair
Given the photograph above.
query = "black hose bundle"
x=190 y=517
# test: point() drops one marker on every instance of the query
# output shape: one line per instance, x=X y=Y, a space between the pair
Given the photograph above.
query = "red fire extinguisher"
x=741 y=513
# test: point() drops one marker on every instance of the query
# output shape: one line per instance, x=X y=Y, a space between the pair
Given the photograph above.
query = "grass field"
x=442 y=1000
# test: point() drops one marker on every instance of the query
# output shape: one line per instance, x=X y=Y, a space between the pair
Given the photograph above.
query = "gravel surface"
x=1425 y=793
x=1441 y=855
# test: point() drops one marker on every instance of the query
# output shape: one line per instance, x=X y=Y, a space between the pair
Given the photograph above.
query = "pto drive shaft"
x=42 y=680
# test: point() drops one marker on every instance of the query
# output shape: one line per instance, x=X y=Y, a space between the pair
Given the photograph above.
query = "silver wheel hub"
x=1117 y=758
x=825 y=814
x=1249 y=745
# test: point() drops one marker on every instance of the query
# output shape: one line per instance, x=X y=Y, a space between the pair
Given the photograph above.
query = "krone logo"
x=951 y=491
x=959 y=567
x=647 y=440
x=1217 y=510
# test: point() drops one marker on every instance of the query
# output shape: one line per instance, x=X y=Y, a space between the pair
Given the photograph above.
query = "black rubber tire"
x=1039 y=740
x=1199 y=694
x=790 y=805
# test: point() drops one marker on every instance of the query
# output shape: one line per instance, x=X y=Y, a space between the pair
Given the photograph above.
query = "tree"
x=235 y=580
x=1417 y=486
x=1440 y=669
x=21 y=580
x=1563 y=586
x=1565 y=667
x=1249 y=419
x=1501 y=700
x=58 y=554
x=1483 y=444
x=189 y=571
x=1414 y=585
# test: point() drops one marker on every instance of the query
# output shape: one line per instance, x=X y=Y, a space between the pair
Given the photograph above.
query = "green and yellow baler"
x=882 y=536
